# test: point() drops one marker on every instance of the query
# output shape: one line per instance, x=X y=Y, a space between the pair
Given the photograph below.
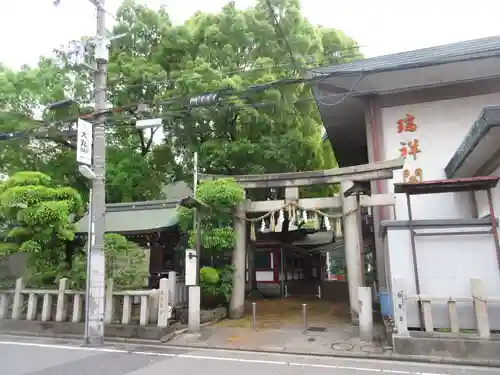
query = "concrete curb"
x=73 y=337
x=178 y=332
x=364 y=355
x=111 y=339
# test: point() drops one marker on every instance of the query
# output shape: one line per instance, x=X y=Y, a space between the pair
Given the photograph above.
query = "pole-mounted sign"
x=84 y=142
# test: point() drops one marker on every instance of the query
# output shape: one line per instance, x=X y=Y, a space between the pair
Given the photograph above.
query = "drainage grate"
x=317 y=329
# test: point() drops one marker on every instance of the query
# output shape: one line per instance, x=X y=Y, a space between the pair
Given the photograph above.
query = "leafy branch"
x=222 y=196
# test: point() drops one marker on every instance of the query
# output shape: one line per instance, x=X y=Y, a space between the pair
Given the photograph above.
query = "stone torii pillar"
x=353 y=247
x=237 y=302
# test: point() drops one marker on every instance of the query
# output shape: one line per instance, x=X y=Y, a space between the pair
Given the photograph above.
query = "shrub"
x=216 y=285
x=209 y=276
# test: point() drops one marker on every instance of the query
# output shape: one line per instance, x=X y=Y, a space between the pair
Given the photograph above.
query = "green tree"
x=220 y=197
x=134 y=172
x=38 y=216
x=276 y=129
x=126 y=264
x=267 y=128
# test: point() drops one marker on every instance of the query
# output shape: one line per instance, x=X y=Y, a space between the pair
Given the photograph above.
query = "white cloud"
x=30 y=28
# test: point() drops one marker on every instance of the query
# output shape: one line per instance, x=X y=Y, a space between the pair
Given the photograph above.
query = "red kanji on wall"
x=407 y=124
x=410 y=148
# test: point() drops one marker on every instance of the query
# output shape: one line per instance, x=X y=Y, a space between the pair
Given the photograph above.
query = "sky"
x=30 y=28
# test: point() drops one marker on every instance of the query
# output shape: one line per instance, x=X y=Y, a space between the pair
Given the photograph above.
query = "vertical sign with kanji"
x=409 y=147
x=84 y=142
x=400 y=306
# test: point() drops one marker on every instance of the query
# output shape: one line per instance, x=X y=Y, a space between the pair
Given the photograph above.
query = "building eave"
x=470 y=49
x=478 y=154
x=447 y=185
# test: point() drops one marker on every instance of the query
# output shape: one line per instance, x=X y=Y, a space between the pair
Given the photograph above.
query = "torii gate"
x=350 y=215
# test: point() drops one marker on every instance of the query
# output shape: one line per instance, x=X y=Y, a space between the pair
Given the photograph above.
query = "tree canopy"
x=255 y=127
x=38 y=218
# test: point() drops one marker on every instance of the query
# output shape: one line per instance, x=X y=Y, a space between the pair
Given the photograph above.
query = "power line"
x=6 y=136
x=196 y=77
x=279 y=30
x=186 y=98
x=259 y=88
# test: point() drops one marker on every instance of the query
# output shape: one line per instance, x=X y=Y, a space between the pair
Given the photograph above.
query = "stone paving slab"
x=331 y=342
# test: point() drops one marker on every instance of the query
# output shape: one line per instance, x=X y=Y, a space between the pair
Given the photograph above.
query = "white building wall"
x=445 y=263
x=442 y=126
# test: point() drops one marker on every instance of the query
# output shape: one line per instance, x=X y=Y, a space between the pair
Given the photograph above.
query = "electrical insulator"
x=203 y=100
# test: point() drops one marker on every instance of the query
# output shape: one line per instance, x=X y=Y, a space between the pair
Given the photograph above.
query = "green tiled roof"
x=136 y=217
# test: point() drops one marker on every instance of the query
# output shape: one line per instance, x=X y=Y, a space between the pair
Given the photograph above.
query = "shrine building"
x=439 y=108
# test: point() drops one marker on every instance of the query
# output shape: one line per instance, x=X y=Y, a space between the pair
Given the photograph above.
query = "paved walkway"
x=280 y=328
x=340 y=340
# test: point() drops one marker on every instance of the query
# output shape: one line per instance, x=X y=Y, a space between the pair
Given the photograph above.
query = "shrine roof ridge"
x=136 y=217
x=143 y=205
x=363 y=172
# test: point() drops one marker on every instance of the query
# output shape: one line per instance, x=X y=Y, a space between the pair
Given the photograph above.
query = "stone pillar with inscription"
x=399 y=298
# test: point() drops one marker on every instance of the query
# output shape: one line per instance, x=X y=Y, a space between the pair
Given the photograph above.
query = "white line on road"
x=213 y=358
x=402 y=372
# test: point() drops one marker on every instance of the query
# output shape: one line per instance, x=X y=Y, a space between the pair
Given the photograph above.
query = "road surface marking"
x=230 y=359
x=362 y=369
x=213 y=358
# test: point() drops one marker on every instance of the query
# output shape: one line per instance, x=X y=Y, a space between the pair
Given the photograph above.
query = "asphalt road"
x=28 y=356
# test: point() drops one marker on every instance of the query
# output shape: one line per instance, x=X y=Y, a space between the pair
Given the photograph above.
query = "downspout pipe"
x=376 y=149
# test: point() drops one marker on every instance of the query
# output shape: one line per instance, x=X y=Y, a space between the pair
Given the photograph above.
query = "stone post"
x=400 y=307
x=32 y=306
x=153 y=305
x=127 y=309
x=194 y=309
x=4 y=306
x=480 y=307
x=108 y=302
x=46 y=307
x=163 y=303
x=61 y=300
x=236 y=305
x=172 y=289
x=352 y=247
x=365 y=313
x=77 y=308
x=17 y=305
x=144 y=311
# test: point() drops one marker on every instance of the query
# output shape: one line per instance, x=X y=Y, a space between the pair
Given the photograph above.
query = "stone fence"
x=122 y=307
x=458 y=326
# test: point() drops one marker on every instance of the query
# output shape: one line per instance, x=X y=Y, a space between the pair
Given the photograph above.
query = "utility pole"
x=97 y=261
x=196 y=220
